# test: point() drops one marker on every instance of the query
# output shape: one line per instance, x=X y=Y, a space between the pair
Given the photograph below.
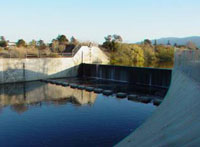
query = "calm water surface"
x=40 y=114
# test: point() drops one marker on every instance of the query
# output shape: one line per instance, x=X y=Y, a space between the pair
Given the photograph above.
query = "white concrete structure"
x=176 y=122
x=30 y=69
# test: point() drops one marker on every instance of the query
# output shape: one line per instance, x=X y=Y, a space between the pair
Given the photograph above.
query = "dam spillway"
x=154 y=77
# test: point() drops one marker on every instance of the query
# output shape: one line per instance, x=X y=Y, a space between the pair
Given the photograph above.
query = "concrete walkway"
x=176 y=122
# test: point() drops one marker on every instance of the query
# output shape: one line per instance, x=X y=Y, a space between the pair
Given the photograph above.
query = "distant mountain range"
x=179 y=41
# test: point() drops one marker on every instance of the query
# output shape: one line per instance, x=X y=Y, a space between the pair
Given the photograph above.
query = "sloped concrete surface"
x=176 y=122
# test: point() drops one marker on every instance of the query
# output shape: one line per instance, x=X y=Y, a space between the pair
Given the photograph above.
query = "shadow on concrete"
x=23 y=75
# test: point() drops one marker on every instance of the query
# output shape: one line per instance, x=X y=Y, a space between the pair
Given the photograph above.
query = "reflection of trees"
x=19 y=108
x=43 y=93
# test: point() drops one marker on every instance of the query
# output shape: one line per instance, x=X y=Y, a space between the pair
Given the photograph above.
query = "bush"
x=164 y=54
x=21 y=43
x=54 y=55
x=141 y=55
x=149 y=55
x=3 y=44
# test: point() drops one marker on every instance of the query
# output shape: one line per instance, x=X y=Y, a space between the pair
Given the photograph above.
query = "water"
x=40 y=114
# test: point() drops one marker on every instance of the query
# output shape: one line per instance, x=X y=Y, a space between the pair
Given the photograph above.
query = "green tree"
x=155 y=42
x=149 y=55
x=21 y=43
x=108 y=38
x=41 y=45
x=122 y=56
x=2 y=38
x=147 y=42
x=62 y=39
x=74 y=40
x=117 y=38
x=3 y=42
x=137 y=54
x=61 y=48
x=168 y=43
x=54 y=45
x=112 y=43
x=33 y=43
x=165 y=54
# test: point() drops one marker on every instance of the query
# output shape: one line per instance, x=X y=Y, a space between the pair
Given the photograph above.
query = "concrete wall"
x=19 y=70
x=133 y=75
x=176 y=121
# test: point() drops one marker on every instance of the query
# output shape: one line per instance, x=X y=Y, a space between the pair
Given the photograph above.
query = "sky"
x=92 y=20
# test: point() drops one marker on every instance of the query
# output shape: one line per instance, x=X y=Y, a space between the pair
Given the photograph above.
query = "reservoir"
x=44 y=114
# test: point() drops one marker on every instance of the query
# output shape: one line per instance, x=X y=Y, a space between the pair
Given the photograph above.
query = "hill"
x=179 y=41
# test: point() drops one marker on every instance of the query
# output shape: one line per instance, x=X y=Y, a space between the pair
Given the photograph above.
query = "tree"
x=149 y=54
x=168 y=43
x=74 y=40
x=41 y=45
x=112 y=42
x=175 y=45
x=3 y=42
x=147 y=42
x=21 y=43
x=33 y=43
x=127 y=54
x=165 y=54
x=61 y=48
x=113 y=38
x=108 y=38
x=117 y=38
x=138 y=54
x=54 y=45
x=155 y=42
x=191 y=45
x=2 y=38
x=62 y=39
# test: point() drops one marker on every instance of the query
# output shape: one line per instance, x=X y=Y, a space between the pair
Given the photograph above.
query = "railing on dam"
x=154 y=77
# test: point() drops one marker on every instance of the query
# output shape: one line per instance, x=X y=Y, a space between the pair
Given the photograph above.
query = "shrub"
x=3 y=44
x=164 y=54
x=54 y=55
x=21 y=43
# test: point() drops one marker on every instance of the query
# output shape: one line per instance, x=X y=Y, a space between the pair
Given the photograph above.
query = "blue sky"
x=91 y=20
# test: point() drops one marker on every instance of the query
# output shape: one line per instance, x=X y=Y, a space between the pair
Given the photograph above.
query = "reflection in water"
x=21 y=96
x=19 y=108
x=107 y=122
x=154 y=64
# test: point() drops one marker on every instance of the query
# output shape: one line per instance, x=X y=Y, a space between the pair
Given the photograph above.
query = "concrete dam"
x=174 y=123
